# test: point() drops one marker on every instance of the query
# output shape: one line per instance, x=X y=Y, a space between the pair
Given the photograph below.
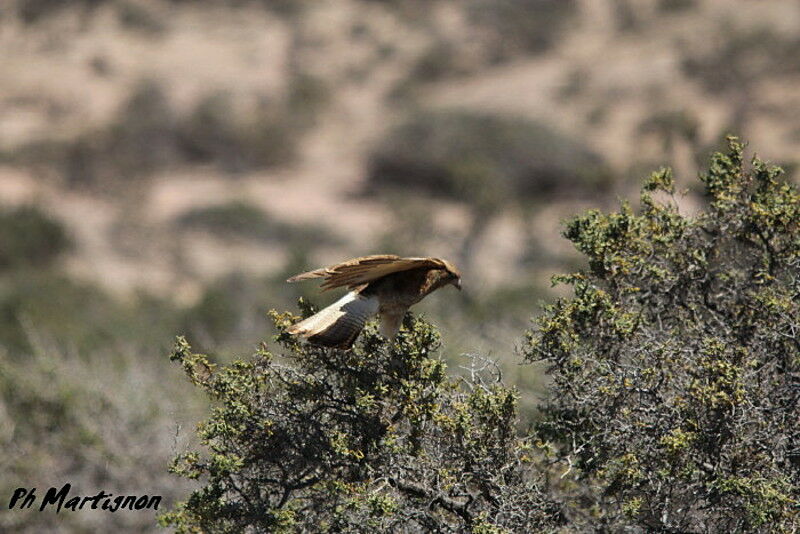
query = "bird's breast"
x=400 y=290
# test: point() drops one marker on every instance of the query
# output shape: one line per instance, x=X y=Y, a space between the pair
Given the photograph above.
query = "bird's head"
x=452 y=274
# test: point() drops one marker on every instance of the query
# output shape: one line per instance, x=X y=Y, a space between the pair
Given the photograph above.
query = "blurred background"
x=166 y=164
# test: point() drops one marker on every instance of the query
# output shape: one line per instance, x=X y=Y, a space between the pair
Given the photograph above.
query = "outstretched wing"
x=339 y=324
x=358 y=271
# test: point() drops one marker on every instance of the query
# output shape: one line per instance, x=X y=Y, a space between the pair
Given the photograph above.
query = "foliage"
x=676 y=364
x=375 y=439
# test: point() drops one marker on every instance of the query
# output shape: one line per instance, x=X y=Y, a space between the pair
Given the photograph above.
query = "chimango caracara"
x=384 y=284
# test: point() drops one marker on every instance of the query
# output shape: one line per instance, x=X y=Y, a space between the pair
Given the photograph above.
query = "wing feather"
x=339 y=324
x=365 y=269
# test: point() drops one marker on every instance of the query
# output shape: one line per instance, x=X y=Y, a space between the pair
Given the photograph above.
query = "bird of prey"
x=382 y=284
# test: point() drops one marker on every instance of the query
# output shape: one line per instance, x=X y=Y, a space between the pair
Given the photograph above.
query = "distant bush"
x=233 y=218
x=441 y=60
x=489 y=162
x=142 y=137
x=671 y=124
x=522 y=25
x=214 y=133
x=376 y=439
x=744 y=57
x=670 y=6
x=29 y=238
x=676 y=364
x=484 y=159
x=140 y=17
x=32 y=11
x=307 y=96
x=626 y=15
x=140 y=140
x=673 y=128
x=148 y=135
x=281 y=7
x=511 y=25
x=134 y=14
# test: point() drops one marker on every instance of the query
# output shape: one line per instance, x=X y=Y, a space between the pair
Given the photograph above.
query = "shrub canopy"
x=676 y=365
x=377 y=439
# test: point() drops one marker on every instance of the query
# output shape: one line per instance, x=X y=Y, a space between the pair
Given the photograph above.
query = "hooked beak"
x=457 y=283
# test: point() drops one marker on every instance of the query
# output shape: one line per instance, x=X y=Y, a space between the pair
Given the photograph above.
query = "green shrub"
x=676 y=363
x=377 y=439
x=29 y=238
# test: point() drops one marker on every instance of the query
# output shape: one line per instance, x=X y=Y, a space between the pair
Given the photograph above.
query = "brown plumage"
x=384 y=284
